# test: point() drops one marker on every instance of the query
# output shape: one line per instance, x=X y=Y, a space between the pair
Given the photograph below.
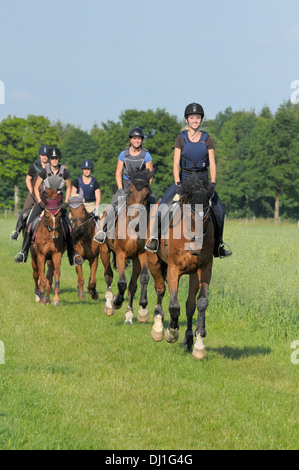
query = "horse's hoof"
x=109 y=311
x=95 y=296
x=37 y=299
x=55 y=302
x=157 y=332
x=171 y=335
x=199 y=350
x=143 y=315
x=129 y=317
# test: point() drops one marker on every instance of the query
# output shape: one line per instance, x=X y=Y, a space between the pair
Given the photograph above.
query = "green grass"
x=74 y=378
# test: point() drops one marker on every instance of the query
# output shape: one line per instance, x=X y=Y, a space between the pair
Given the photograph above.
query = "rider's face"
x=136 y=141
x=194 y=120
x=54 y=162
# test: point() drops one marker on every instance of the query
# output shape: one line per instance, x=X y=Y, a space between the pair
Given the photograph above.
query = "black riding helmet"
x=53 y=152
x=194 y=108
x=136 y=132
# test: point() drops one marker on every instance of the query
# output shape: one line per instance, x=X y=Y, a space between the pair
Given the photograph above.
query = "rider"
x=194 y=153
x=131 y=160
x=31 y=176
x=89 y=186
x=54 y=176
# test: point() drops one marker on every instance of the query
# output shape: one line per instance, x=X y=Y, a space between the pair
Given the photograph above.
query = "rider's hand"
x=178 y=187
x=64 y=205
x=42 y=205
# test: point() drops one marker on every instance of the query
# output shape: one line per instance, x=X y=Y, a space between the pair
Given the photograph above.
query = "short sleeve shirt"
x=179 y=144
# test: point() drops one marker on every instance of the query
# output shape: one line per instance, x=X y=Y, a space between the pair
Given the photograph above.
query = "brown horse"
x=187 y=247
x=84 y=229
x=126 y=240
x=48 y=246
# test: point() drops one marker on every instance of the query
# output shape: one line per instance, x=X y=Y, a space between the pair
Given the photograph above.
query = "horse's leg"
x=35 y=276
x=199 y=351
x=42 y=280
x=79 y=270
x=93 y=279
x=132 y=290
x=143 y=313
x=57 y=262
x=108 y=274
x=154 y=265
x=122 y=282
x=49 y=279
x=172 y=332
x=190 y=309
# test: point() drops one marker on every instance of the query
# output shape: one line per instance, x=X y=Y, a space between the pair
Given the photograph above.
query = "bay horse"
x=48 y=247
x=84 y=230
x=125 y=239
x=186 y=248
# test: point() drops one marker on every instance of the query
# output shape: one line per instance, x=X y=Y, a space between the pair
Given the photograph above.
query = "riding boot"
x=22 y=256
x=74 y=258
x=100 y=236
x=218 y=214
x=19 y=226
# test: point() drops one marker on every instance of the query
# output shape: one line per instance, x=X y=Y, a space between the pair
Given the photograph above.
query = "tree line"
x=257 y=155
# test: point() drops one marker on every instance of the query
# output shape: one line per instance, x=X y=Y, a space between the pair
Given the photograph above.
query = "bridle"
x=53 y=215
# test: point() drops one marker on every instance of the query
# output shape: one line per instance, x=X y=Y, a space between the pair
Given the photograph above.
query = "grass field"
x=74 y=378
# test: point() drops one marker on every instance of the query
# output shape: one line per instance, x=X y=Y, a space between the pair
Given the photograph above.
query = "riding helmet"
x=53 y=152
x=86 y=164
x=136 y=132
x=43 y=150
x=194 y=108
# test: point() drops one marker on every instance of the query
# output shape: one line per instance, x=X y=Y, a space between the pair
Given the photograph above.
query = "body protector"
x=54 y=181
x=88 y=189
x=133 y=164
x=195 y=155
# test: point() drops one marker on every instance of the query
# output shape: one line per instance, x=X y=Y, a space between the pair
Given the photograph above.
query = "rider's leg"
x=218 y=215
x=22 y=256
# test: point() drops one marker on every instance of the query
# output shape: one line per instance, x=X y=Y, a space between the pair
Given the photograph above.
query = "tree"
x=20 y=140
x=78 y=146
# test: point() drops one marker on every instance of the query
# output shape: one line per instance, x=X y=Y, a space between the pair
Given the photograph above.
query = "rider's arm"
x=36 y=189
x=97 y=194
x=68 y=185
x=150 y=167
x=118 y=174
x=212 y=165
x=29 y=184
x=176 y=164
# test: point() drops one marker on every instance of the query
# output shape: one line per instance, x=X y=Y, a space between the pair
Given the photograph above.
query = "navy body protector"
x=88 y=189
x=195 y=155
x=133 y=164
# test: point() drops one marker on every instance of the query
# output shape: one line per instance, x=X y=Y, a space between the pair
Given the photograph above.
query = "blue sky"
x=85 y=62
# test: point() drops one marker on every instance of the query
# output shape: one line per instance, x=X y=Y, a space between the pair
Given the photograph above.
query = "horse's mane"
x=195 y=183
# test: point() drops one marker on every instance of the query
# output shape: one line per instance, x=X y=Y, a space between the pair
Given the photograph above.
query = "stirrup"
x=101 y=240
x=149 y=248
x=228 y=252
x=77 y=259
x=20 y=261
x=14 y=235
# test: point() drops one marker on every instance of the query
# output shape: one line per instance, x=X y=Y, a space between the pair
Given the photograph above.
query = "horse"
x=186 y=248
x=127 y=244
x=84 y=229
x=48 y=246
